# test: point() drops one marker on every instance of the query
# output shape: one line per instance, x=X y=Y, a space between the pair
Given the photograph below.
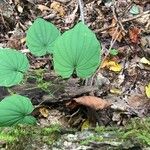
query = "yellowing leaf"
x=115 y=91
x=44 y=112
x=115 y=66
x=85 y=125
x=112 y=65
x=105 y=63
x=147 y=90
x=56 y=6
x=145 y=61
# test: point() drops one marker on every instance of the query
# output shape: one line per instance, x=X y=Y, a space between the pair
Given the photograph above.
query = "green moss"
x=21 y=137
x=136 y=132
x=44 y=85
x=96 y=138
x=18 y=137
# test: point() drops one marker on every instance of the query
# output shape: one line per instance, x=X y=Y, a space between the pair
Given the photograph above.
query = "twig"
x=123 y=21
x=116 y=18
x=81 y=10
x=126 y=9
x=111 y=45
x=113 y=40
x=3 y=19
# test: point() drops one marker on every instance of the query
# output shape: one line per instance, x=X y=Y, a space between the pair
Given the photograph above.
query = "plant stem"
x=81 y=10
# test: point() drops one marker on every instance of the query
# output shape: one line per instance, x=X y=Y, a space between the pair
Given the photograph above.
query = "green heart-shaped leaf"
x=13 y=65
x=76 y=51
x=40 y=36
x=16 y=109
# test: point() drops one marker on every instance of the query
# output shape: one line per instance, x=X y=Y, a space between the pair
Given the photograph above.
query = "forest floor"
x=63 y=109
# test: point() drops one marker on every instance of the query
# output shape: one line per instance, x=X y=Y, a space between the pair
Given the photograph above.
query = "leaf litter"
x=124 y=78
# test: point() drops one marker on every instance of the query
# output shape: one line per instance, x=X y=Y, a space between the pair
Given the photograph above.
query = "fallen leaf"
x=44 y=112
x=116 y=33
x=93 y=102
x=135 y=101
x=56 y=6
x=115 y=91
x=19 y=8
x=114 y=66
x=145 y=61
x=134 y=33
x=147 y=90
x=134 y=10
x=138 y=104
x=40 y=111
x=111 y=65
x=43 y=7
x=85 y=125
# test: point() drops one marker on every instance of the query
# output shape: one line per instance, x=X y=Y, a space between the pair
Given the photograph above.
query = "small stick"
x=111 y=45
x=123 y=21
x=3 y=19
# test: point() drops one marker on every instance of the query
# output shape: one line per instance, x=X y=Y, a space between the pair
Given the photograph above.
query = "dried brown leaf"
x=93 y=102
x=139 y=104
x=137 y=101
x=116 y=33
x=134 y=34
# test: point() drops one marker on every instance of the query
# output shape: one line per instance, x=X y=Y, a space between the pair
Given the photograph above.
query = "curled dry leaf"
x=40 y=111
x=93 y=102
x=44 y=112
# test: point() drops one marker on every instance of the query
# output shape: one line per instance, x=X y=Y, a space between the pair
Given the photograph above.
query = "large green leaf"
x=76 y=51
x=16 y=109
x=40 y=36
x=13 y=65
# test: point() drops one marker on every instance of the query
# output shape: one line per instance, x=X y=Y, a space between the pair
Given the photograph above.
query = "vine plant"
x=76 y=51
